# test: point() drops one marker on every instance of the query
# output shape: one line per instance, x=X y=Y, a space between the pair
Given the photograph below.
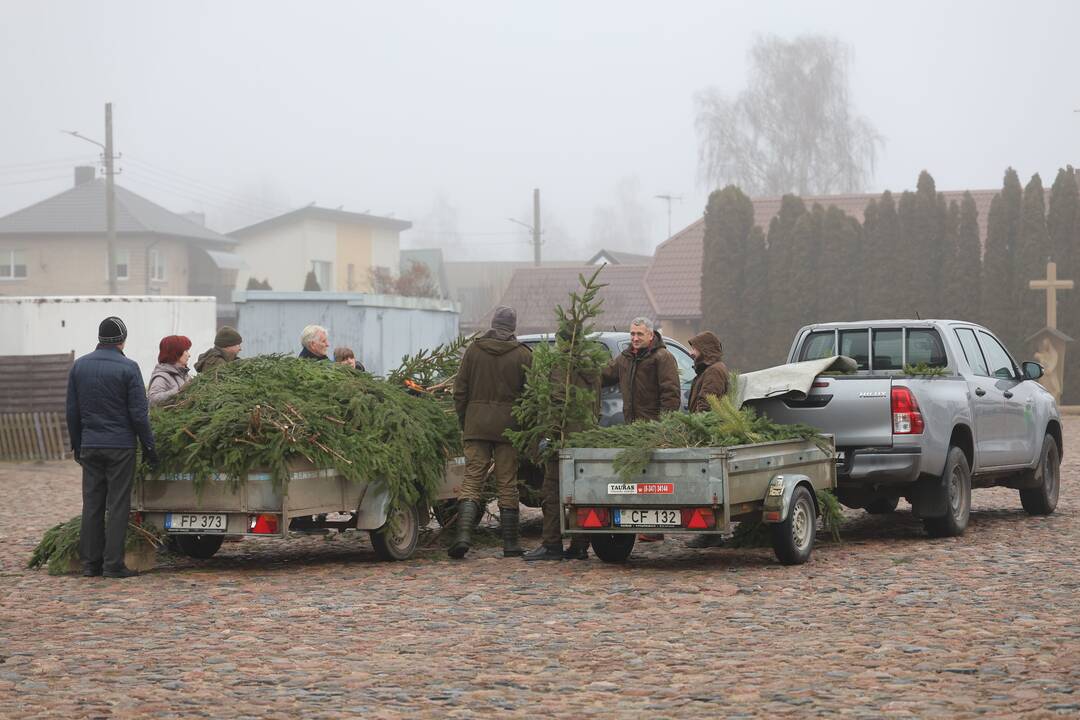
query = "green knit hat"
x=227 y=337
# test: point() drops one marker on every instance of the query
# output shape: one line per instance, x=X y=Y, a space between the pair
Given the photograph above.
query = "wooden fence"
x=33 y=389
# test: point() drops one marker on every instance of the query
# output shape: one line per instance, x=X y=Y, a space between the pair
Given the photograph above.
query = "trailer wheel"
x=397 y=539
x=200 y=547
x=613 y=548
x=1043 y=500
x=793 y=539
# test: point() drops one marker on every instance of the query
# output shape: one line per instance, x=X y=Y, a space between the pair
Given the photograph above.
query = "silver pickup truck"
x=930 y=438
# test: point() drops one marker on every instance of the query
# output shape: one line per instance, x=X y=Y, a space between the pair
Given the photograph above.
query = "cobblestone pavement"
x=886 y=624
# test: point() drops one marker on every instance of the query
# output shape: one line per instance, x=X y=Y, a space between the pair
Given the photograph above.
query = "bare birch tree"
x=793 y=129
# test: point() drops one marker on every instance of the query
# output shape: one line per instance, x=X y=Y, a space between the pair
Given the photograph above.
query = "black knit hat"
x=112 y=331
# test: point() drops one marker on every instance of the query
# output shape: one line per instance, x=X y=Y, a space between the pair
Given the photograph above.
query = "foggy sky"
x=243 y=110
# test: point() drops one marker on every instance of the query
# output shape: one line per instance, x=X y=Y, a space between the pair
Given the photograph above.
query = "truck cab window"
x=818 y=345
x=1001 y=365
x=972 y=352
x=855 y=344
x=888 y=349
x=925 y=346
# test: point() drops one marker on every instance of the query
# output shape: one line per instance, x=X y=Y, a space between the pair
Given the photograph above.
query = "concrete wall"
x=48 y=325
x=379 y=328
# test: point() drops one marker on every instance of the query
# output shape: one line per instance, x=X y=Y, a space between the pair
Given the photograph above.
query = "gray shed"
x=380 y=329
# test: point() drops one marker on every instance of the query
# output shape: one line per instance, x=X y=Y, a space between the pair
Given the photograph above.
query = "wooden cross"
x=1051 y=285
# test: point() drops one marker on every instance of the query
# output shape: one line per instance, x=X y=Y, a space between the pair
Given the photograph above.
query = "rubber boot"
x=579 y=548
x=508 y=523
x=544 y=552
x=467 y=510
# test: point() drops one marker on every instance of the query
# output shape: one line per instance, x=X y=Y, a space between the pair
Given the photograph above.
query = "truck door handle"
x=1007 y=394
x=980 y=392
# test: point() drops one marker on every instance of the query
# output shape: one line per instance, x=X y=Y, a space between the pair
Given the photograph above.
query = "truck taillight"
x=590 y=518
x=906 y=417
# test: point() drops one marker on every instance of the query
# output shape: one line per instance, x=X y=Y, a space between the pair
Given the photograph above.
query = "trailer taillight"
x=590 y=518
x=263 y=524
x=701 y=518
x=907 y=419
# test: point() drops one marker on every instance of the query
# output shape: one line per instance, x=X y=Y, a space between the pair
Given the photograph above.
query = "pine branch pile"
x=723 y=425
x=924 y=370
x=431 y=370
x=59 y=546
x=262 y=412
x=555 y=402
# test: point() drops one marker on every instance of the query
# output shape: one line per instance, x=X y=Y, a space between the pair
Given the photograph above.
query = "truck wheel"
x=1042 y=500
x=396 y=540
x=793 y=539
x=883 y=506
x=613 y=548
x=957 y=478
x=199 y=546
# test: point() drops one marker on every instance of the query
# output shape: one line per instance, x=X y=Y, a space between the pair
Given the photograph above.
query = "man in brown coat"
x=712 y=379
x=712 y=373
x=647 y=374
x=490 y=379
x=226 y=347
x=551 y=547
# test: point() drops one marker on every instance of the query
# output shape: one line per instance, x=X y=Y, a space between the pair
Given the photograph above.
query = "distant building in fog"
x=58 y=247
x=340 y=247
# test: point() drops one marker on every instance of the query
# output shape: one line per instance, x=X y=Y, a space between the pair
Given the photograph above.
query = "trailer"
x=698 y=491
x=314 y=499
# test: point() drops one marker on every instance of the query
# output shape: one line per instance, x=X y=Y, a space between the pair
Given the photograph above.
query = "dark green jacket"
x=490 y=379
x=649 y=381
x=212 y=358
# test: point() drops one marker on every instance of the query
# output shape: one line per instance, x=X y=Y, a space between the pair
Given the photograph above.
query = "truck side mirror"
x=1032 y=370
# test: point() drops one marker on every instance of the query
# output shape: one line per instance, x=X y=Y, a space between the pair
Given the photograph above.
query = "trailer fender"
x=778 y=494
x=374 y=508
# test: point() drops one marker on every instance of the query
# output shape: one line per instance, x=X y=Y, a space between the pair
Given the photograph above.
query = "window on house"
x=157 y=265
x=122 y=264
x=12 y=264
x=321 y=268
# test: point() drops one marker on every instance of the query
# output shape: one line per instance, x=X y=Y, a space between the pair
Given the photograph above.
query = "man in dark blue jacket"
x=106 y=414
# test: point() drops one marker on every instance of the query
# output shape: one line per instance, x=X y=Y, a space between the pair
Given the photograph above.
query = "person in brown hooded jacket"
x=712 y=379
x=647 y=374
x=491 y=377
x=712 y=373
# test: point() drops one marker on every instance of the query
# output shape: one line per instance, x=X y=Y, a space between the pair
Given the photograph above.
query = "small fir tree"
x=311 y=284
x=553 y=405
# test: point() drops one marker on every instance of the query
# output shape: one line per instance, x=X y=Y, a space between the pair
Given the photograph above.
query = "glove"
x=150 y=457
x=544 y=444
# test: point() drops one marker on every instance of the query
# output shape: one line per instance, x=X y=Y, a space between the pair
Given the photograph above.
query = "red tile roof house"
x=669 y=288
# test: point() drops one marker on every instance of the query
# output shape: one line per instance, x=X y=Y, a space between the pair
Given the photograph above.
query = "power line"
x=174 y=176
x=203 y=196
x=30 y=166
x=40 y=179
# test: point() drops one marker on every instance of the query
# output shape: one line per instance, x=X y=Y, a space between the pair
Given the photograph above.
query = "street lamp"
x=110 y=193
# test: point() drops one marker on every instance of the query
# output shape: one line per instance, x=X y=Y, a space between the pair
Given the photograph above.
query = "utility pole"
x=536 y=226
x=669 y=198
x=110 y=193
x=110 y=200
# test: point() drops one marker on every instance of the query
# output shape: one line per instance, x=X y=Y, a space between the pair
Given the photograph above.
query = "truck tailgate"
x=856 y=410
